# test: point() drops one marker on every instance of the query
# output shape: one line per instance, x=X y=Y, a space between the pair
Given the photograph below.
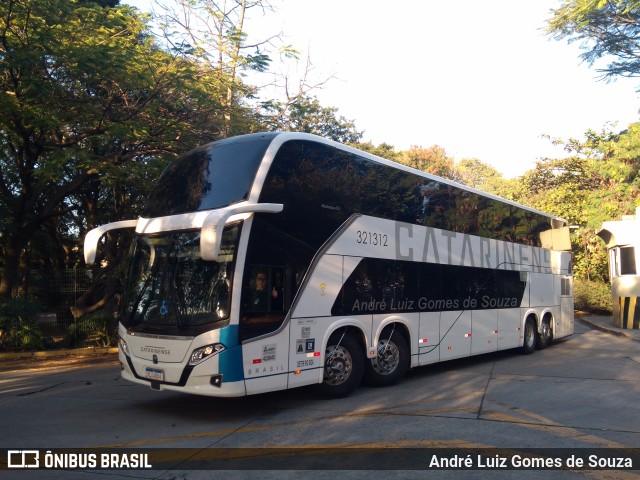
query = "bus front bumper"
x=201 y=379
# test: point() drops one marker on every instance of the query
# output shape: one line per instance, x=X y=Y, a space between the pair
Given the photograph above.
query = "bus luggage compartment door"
x=455 y=332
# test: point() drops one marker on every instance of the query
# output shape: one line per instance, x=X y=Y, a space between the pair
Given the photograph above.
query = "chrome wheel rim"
x=546 y=331
x=338 y=365
x=387 y=359
x=529 y=335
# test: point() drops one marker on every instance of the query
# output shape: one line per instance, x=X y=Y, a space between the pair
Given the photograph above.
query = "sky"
x=479 y=78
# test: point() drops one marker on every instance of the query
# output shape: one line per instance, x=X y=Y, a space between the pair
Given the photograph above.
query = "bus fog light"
x=202 y=353
x=123 y=346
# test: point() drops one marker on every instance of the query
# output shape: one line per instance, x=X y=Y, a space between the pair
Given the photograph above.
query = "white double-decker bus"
x=277 y=260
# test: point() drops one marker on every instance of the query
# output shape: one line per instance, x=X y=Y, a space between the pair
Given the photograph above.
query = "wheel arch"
x=531 y=314
x=354 y=327
x=400 y=325
x=547 y=314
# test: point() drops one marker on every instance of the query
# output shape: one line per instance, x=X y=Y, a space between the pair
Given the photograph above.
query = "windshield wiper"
x=134 y=309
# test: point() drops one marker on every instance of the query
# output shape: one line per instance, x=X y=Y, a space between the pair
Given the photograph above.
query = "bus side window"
x=265 y=290
x=263 y=301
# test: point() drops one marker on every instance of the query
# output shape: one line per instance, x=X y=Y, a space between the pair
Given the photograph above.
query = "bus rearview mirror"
x=94 y=236
x=213 y=226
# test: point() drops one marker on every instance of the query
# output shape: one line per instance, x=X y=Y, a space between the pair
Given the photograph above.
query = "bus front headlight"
x=199 y=355
x=123 y=346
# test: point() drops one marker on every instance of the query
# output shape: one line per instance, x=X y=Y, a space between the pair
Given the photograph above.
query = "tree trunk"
x=9 y=274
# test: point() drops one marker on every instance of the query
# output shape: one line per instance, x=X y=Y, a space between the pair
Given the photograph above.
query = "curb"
x=67 y=352
x=613 y=330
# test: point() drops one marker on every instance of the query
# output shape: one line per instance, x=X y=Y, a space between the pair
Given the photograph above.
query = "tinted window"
x=322 y=186
x=274 y=268
x=212 y=176
x=388 y=286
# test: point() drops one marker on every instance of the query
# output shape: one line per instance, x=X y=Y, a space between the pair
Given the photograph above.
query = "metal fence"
x=40 y=317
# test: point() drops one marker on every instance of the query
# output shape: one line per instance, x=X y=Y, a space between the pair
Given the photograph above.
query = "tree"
x=606 y=28
x=383 y=150
x=306 y=114
x=477 y=174
x=597 y=182
x=431 y=160
x=213 y=34
x=84 y=91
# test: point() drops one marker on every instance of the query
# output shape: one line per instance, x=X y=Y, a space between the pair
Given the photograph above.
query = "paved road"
x=583 y=392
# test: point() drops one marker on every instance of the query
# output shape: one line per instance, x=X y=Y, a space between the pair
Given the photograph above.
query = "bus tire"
x=391 y=362
x=343 y=366
x=530 y=337
x=545 y=337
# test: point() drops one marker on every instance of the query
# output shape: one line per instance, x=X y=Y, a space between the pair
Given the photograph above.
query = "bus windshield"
x=209 y=177
x=169 y=285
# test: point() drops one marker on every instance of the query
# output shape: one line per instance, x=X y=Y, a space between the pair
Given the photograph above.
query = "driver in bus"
x=260 y=294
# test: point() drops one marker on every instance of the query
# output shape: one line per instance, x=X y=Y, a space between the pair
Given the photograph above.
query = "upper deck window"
x=321 y=186
x=212 y=176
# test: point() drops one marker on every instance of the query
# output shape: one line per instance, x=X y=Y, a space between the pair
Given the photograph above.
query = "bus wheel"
x=545 y=337
x=343 y=366
x=530 y=334
x=391 y=362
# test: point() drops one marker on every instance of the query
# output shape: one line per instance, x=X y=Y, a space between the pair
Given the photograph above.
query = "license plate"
x=155 y=374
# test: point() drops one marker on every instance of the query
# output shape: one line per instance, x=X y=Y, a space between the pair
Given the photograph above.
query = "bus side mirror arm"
x=213 y=226
x=94 y=236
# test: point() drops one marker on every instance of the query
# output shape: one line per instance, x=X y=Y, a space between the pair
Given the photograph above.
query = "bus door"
x=265 y=348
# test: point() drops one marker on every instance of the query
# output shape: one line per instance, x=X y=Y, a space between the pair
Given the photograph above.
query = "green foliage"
x=92 y=111
x=560 y=187
x=95 y=329
x=592 y=297
x=383 y=150
x=476 y=174
x=598 y=182
x=18 y=327
x=606 y=29
x=590 y=258
x=306 y=114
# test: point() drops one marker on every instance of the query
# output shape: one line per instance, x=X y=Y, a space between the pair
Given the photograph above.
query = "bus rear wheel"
x=343 y=366
x=545 y=337
x=530 y=337
x=391 y=362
